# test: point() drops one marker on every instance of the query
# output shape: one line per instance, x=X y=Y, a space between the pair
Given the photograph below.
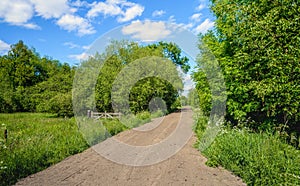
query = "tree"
x=257 y=46
x=28 y=82
x=120 y=54
x=17 y=72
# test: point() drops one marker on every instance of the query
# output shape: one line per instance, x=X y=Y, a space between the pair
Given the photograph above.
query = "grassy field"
x=258 y=158
x=36 y=141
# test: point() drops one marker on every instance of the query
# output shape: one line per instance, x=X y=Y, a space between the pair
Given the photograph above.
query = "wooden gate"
x=105 y=115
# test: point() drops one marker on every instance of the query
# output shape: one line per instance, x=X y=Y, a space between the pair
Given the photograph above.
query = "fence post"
x=5 y=135
x=89 y=113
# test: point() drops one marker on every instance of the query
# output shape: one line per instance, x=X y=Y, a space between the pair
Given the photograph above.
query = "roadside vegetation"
x=34 y=142
x=256 y=44
x=259 y=158
x=37 y=127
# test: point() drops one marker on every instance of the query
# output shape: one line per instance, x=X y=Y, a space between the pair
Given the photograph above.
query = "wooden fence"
x=105 y=115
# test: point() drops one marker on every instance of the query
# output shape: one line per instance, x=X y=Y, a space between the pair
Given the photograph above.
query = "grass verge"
x=258 y=158
x=35 y=141
x=38 y=140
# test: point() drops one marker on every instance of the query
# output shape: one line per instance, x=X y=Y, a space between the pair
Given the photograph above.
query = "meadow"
x=36 y=141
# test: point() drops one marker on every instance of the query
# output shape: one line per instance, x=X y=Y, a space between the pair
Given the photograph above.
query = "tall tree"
x=257 y=46
x=121 y=53
x=31 y=83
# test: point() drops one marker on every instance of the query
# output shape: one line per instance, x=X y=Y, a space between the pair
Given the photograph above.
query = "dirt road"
x=186 y=167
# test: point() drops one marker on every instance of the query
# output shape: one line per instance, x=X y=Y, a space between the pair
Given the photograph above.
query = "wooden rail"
x=105 y=115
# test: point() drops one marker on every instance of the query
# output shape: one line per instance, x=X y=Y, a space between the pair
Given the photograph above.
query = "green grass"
x=113 y=126
x=258 y=158
x=35 y=141
x=38 y=140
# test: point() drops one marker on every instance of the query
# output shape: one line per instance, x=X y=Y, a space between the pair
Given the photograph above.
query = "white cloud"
x=188 y=83
x=196 y=17
x=187 y=26
x=79 y=3
x=158 y=13
x=201 y=7
x=30 y=26
x=20 y=12
x=104 y=8
x=204 y=26
x=147 y=30
x=79 y=57
x=172 y=19
x=131 y=13
x=124 y=10
x=51 y=9
x=17 y=12
x=75 y=23
x=4 y=47
x=86 y=47
x=71 y=45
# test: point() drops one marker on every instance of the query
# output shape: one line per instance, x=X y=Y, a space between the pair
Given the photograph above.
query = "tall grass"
x=35 y=141
x=258 y=158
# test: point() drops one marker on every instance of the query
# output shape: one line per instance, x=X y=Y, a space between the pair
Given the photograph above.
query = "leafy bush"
x=143 y=115
x=114 y=126
x=61 y=104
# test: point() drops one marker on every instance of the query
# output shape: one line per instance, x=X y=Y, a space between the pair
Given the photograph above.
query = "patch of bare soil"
x=187 y=167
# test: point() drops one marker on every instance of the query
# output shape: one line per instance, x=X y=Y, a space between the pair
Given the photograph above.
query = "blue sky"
x=64 y=29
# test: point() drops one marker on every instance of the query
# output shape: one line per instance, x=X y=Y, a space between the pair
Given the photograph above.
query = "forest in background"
x=30 y=83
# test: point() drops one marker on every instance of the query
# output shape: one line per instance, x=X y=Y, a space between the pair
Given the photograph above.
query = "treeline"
x=30 y=83
x=257 y=46
x=121 y=54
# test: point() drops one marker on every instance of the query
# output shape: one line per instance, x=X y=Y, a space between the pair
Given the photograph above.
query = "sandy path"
x=187 y=167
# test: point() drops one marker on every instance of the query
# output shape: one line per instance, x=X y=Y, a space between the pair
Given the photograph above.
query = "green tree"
x=257 y=46
x=121 y=53
x=17 y=72
x=28 y=82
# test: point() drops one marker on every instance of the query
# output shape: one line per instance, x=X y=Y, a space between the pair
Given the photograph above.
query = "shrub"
x=61 y=104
